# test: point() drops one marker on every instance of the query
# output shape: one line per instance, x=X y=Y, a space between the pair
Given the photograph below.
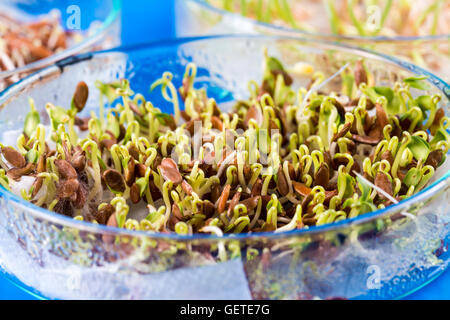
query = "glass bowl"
x=432 y=52
x=98 y=25
x=384 y=254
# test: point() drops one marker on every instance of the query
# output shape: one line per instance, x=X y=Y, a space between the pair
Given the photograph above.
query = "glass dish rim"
x=97 y=228
x=106 y=25
x=318 y=34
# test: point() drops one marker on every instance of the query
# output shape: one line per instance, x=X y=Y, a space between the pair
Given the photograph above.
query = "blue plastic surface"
x=147 y=20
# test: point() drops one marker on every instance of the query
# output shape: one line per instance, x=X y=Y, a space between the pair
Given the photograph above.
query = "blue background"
x=150 y=20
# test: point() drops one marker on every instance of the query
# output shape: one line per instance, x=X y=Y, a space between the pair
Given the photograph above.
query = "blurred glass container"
x=429 y=49
x=384 y=254
x=91 y=27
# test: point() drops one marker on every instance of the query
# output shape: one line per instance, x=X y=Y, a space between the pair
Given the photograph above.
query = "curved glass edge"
x=20 y=285
x=39 y=296
x=107 y=25
x=423 y=285
x=324 y=36
x=439 y=185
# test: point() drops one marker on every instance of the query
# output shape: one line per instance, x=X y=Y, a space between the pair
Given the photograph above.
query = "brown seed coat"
x=282 y=184
x=382 y=181
x=17 y=173
x=135 y=196
x=221 y=203
x=114 y=180
x=65 y=169
x=67 y=188
x=81 y=95
x=169 y=171
x=14 y=157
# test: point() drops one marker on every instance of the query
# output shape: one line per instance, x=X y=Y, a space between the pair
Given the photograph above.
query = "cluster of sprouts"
x=349 y=17
x=22 y=43
x=364 y=19
x=281 y=160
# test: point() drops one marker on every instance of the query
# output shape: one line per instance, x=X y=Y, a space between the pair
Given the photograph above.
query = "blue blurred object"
x=147 y=20
x=439 y=289
x=150 y=20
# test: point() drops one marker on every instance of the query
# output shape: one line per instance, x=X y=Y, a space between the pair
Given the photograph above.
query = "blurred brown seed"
x=381 y=116
x=155 y=193
x=41 y=165
x=234 y=201
x=112 y=222
x=129 y=172
x=133 y=151
x=65 y=169
x=37 y=185
x=322 y=176
x=250 y=203
x=186 y=187
x=282 y=185
x=346 y=128
x=292 y=173
x=135 y=193
x=82 y=123
x=17 y=173
x=64 y=207
x=14 y=157
x=107 y=143
x=222 y=202
x=177 y=212
x=169 y=171
x=79 y=162
x=257 y=187
x=139 y=170
x=215 y=193
x=80 y=197
x=67 y=188
x=382 y=181
x=103 y=215
x=366 y=139
x=114 y=180
x=435 y=158
x=440 y=113
x=387 y=155
x=305 y=202
x=80 y=96
x=360 y=73
x=254 y=113
x=217 y=123
x=329 y=195
x=208 y=208
x=301 y=188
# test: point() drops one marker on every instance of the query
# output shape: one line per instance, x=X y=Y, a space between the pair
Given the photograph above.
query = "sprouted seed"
x=281 y=160
x=22 y=43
